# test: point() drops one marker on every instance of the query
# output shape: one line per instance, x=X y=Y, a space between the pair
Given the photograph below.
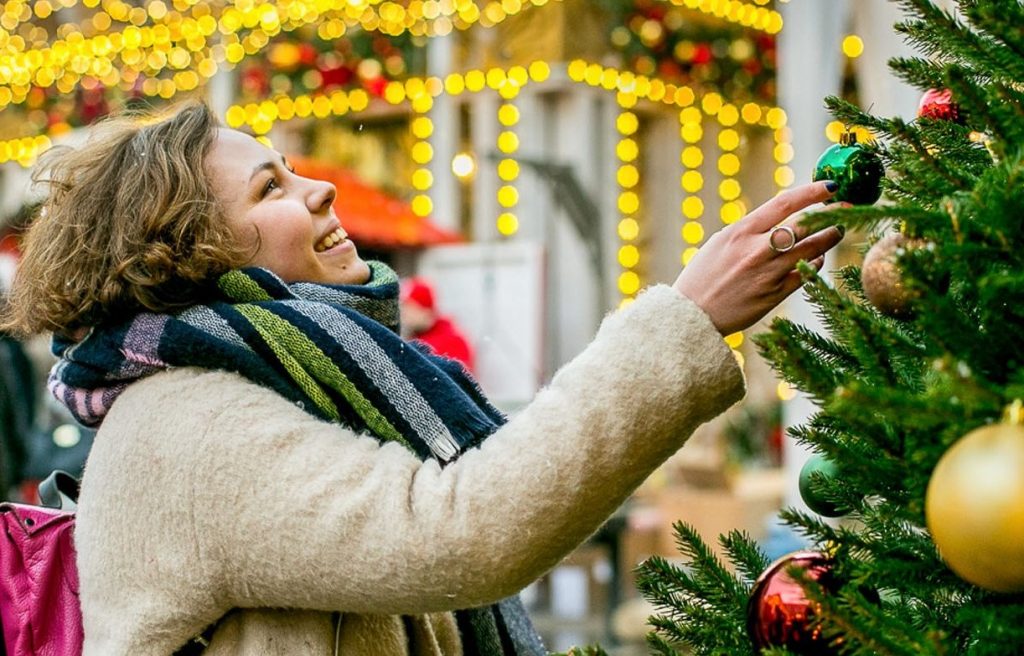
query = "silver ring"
x=772 y=244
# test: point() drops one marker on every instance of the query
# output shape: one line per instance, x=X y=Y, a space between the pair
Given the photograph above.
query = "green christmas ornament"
x=827 y=468
x=857 y=171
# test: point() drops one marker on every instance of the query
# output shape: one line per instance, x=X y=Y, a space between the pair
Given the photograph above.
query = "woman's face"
x=299 y=237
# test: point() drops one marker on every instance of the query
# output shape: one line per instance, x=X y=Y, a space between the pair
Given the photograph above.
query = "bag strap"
x=59 y=490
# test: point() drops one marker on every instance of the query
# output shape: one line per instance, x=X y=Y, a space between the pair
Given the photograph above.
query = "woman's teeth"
x=330 y=240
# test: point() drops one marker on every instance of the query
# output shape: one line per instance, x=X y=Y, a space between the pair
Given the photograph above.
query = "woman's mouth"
x=331 y=240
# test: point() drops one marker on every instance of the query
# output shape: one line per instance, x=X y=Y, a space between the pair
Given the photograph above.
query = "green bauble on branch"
x=819 y=464
x=857 y=171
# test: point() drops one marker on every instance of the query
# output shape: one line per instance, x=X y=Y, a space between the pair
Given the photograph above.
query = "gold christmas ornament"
x=882 y=279
x=975 y=505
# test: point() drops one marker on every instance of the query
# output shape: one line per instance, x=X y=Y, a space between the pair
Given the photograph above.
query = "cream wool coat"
x=206 y=493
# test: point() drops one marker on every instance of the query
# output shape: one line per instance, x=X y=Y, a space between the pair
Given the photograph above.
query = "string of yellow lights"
x=183 y=43
x=508 y=145
x=628 y=178
x=753 y=15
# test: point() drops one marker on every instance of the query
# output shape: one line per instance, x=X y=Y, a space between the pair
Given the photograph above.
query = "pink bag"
x=39 y=606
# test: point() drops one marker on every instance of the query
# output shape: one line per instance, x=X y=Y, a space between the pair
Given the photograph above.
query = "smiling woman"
x=275 y=468
x=286 y=219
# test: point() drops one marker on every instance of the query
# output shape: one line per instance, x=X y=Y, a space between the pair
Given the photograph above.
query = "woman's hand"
x=737 y=278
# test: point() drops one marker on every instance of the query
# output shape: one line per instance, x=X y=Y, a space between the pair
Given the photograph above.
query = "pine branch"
x=702 y=605
x=918 y=72
x=1000 y=19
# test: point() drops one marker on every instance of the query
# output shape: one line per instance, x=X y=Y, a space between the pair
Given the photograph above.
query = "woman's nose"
x=321 y=195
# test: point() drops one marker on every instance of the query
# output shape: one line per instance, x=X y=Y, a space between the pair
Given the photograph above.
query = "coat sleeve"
x=273 y=508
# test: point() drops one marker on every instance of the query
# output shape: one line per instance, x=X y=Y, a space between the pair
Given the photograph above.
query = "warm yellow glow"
x=691 y=132
x=692 y=181
x=628 y=176
x=626 y=100
x=475 y=80
x=864 y=135
x=834 y=130
x=783 y=153
x=626 y=302
x=689 y=115
x=729 y=189
x=629 y=283
x=422 y=179
x=464 y=166
x=688 y=255
x=784 y=176
x=692 y=157
x=684 y=96
x=508 y=196
x=728 y=139
x=731 y=212
x=508 y=115
x=627 y=150
x=454 y=84
x=394 y=92
x=629 y=256
x=853 y=46
x=711 y=103
x=729 y=164
x=629 y=202
x=539 y=71
x=693 y=207
x=422 y=127
x=728 y=115
x=508 y=142
x=734 y=340
x=775 y=118
x=693 y=232
x=235 y=117
x=422 y=152
x=508 y=169
x=627 y=123
x=785 y=391
x=577 y=70
x=751 y=113
x=628 y=229
x=508 y=224
x=422 y=205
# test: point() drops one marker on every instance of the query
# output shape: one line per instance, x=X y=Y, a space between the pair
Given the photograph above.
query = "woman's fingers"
x=775 y=211
x=794 y=279
x=813 y=246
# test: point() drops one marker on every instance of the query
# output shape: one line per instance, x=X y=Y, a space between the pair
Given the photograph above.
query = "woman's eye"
x=270 y=186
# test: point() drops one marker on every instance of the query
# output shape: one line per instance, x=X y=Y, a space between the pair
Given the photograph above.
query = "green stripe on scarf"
x=241 y=287
x=298 y=354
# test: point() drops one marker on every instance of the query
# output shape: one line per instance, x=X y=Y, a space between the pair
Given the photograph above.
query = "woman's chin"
x=354 y=273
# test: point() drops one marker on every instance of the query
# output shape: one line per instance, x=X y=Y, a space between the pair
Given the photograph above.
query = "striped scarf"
x=332 y=350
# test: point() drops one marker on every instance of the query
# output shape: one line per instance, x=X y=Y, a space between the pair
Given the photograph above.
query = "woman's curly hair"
x=129 y=224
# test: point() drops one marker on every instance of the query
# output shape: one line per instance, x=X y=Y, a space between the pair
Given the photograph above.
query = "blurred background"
x=528 y=165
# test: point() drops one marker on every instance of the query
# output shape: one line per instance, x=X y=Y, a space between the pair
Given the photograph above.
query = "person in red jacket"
x=421 y=321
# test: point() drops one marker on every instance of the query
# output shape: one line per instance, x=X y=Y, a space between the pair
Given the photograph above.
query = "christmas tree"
x=918 y=382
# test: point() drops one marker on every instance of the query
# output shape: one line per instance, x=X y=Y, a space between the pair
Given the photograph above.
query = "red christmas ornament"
x=779 y=614
x=375 y=86
x=937 y=104
x=702 y=54
x=307 y=54
x=255 y=81
x=337 y=76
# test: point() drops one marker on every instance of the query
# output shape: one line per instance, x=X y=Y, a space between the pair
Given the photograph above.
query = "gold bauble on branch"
x=975 y=506
x=882 y=278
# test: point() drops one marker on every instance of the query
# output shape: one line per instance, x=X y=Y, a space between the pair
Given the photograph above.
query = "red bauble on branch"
x=779 y=614
x=938 y=105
